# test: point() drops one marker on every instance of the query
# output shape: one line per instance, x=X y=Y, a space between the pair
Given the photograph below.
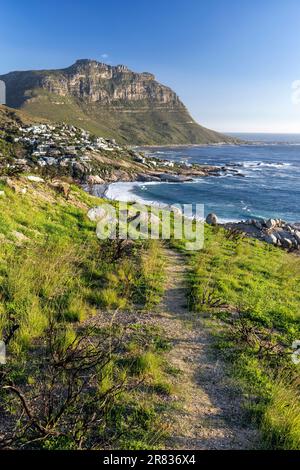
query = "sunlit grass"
x=251 y=289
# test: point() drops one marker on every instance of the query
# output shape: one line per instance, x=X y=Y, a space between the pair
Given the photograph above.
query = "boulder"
x=271 y=238
x=270 y=223
x=258 y=224
x=78 y=170
x=35 y=179
x=97 y=213
x=171 y=178
x=147 y=178
x=212 y=219
x=95 y=179
x=287 y=243
x=62 y=187
x=297 y=236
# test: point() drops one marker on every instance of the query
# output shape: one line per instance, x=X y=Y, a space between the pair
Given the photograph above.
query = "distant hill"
x=111 y=101
x=12 y=118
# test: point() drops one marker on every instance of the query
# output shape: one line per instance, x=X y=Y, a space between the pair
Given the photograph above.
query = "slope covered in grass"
x=82 y=371
x=251 y=292
x=138 y=124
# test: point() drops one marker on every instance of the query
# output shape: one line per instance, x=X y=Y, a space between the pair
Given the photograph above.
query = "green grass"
x=131 y=124
x=251 y=291
x=62 y=273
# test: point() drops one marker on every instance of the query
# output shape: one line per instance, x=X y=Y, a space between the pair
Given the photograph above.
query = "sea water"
x=262 y=179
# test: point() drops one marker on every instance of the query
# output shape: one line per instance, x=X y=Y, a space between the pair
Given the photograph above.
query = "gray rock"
x=35 y=179
x=147 y=178
x=258 y=224
x=78 y=169
x=271 y=238
x=270 y=223
x=95 y=179
x=212 y=219
x=97 y=213
x=297 y=236
x=287 y=243
x=171 y=178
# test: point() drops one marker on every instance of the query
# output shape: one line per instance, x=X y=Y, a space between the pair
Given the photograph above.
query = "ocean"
x=262 y=179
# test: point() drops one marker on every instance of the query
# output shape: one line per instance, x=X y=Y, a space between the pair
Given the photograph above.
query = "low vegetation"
x=75 y=311
x=248 y=292
x=72 y=381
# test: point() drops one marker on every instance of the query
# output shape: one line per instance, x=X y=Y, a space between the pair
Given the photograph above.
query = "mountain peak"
x=83 y=62
x=121 y=68
x=109 y=100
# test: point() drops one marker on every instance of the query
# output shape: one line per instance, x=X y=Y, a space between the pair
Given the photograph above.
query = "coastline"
x=179 y=146
x=266 y=169
x=121 y=191
x=276 y=232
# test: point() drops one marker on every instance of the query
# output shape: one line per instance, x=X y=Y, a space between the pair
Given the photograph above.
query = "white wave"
x=259 y=164
x=228 y=221
x=124 y=191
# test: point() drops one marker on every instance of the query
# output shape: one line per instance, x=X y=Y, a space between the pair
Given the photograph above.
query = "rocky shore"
x=276 y=232
x=61 y=150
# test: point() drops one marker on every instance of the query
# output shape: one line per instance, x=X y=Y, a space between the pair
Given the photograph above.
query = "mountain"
x=111 y=101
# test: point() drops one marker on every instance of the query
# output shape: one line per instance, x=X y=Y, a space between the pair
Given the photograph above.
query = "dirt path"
x=210 y=415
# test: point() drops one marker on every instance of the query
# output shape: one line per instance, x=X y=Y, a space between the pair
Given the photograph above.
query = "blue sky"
x=232 y=62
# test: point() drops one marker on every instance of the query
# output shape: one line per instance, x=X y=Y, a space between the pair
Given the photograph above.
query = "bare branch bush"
x=76 y=382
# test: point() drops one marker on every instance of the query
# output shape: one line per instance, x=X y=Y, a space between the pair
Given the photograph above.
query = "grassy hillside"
x=81 y=346
x=129 y=125
x=73 y=379
x=10 y=117
x=248 y=292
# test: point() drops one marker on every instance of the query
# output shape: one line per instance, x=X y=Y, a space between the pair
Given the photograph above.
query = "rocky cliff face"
x=109 y=100
x=96 y=82
x=93 y=82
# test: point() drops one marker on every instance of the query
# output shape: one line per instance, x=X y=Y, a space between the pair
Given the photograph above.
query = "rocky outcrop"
x=92 y=82
x=108 y=100
x=273 y=231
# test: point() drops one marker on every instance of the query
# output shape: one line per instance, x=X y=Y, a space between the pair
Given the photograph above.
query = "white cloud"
x=104 y=56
